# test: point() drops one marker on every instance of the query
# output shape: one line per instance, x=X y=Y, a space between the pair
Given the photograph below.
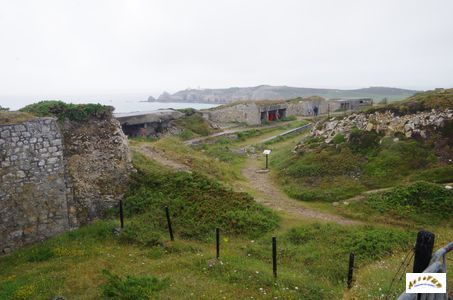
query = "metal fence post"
x=217 y=238
x=170 y=229
x=274 y=256
x=350 y=269
x=121 y=214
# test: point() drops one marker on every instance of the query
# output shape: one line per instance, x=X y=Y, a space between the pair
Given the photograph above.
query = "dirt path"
x=157 y=155
x=264 y=189
x=270 y=195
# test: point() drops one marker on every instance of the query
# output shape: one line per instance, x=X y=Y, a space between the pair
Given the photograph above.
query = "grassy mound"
x=345 y=169
x=421 y=202
x=197 y=205
x=435 y=99
x=73 y=112
x=193 y=124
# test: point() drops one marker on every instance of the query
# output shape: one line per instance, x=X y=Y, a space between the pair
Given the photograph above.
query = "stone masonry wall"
x=247 y=113
x=58 y=175
x=32 y=186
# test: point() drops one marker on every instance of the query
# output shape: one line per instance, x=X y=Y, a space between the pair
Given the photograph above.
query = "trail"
x=152 y=153
x=271 y=196
x=265 y=190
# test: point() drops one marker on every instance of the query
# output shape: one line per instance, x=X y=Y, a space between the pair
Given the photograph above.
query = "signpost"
x=267 y=152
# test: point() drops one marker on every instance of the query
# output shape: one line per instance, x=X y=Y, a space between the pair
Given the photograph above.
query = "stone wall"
x=305 y=107
x=32 y=187
x=241 y=113
x=55 y=176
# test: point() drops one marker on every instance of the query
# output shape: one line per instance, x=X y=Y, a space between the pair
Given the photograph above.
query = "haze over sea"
x=122 y=103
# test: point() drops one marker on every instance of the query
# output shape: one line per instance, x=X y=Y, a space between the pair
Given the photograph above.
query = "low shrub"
x=197 y=205
x=73 y=112
x=361 y=141
x=415 y=201
x=132 y=287
x=338 y=139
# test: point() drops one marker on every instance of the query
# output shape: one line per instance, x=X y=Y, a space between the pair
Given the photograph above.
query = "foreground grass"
x=72 y=265
x=140 y=262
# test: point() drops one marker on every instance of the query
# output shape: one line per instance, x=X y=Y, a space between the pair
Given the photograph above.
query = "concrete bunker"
x=148 y=124
x=269 y=113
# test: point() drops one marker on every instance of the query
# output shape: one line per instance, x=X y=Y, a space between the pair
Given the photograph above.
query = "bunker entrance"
x=273 y=115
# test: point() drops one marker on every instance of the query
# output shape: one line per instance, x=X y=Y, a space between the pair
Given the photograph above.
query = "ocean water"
x=121 y=104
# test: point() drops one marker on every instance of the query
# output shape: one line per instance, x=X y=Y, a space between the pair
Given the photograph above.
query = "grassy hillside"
x=334 y=172
x=193 y=124
x=436 y=99
x=419 y=202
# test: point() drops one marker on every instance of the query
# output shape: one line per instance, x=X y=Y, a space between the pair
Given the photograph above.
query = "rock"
x=212 y=262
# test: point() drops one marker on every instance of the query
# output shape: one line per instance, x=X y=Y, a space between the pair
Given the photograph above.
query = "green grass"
x=422 y=101
x=200 y=162
x=197 y=204
x=418 y=203
x=13 y=117
x=335 y=172
x=193 y=124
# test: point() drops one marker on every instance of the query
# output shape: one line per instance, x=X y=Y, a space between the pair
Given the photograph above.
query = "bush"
x=361 y=141
x=4 y=108
x=338 y=139
x=73 y=112
x=419 y=200
x=132 y=287
x=197 y=205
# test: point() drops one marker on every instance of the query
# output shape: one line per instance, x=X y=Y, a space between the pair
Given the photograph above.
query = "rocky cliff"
x=56 y=175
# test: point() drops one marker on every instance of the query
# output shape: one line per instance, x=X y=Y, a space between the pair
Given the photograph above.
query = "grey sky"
x=95 y=47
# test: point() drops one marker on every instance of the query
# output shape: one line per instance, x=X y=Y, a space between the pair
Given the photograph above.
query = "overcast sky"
x=69 y=47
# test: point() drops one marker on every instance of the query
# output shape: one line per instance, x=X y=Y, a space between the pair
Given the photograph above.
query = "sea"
x=122 y=104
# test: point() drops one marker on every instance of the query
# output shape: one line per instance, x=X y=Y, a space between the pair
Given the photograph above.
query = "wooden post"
x=274 y=256
x=267 y=161
x=121 y=214
x=423 y=250
x=217 y=238
x=170 y=230
x=350 y=269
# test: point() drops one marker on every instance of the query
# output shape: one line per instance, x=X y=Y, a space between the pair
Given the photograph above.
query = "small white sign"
x=429 y=283
x=267 y=152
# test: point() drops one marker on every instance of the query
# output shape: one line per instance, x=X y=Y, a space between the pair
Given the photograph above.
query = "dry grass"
x=15 y=117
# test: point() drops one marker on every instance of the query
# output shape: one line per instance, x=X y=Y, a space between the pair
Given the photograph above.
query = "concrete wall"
x=56 y=176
